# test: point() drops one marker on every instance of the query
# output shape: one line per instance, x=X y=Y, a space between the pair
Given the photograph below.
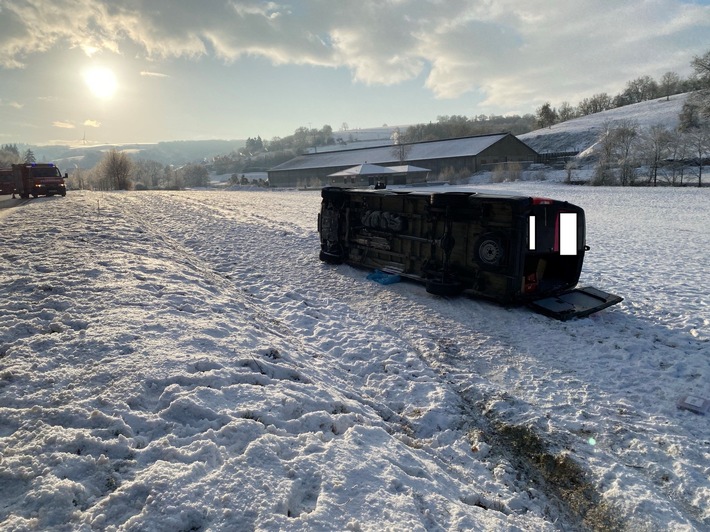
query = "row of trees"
x=462 y=126
x=118 y=171
x=637 y=90
x=629 y=154
x=258 y=155
x=10 y=154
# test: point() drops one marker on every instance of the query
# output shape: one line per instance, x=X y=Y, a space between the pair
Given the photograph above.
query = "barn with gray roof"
x=469 y=154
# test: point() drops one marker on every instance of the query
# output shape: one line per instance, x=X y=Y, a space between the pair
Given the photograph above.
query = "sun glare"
x=101 y=82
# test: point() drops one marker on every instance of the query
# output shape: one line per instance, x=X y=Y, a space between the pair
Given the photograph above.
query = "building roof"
x=365 y=169
x=408 y=169
x=435 y=149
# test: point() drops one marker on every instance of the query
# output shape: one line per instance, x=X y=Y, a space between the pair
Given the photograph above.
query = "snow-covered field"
x=182 y=361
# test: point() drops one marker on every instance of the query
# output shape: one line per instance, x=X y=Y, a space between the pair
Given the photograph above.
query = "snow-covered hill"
x=177 y=361
x=581 y=133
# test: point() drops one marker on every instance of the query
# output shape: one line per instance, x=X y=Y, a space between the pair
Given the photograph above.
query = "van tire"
x=332 y=258
x=332 y=193
x=490 y=252
x=444 y=288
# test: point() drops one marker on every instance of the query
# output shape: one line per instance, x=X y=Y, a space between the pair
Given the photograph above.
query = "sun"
x=101 y=82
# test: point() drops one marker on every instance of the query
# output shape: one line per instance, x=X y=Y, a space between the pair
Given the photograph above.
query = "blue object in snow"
x=383 y=277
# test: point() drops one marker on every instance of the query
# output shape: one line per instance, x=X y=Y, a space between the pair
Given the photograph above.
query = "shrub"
x=507 y=172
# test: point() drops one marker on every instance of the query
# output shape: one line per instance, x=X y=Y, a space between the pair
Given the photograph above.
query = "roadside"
x=6 y=201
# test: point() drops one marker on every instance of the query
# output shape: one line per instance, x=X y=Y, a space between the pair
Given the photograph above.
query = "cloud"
x=153 y=74
x=92 y=123
x=63 y=125
x=509 y=51
x=16 y=105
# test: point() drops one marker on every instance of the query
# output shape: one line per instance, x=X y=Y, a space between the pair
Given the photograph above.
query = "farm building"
x=469 y=154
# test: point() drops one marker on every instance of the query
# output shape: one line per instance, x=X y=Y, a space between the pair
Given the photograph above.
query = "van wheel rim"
x=490 y=252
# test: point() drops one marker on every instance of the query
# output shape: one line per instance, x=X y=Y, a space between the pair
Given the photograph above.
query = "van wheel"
x=332 y=258
x=489 y=251
x=444 y=288
x=332 y=193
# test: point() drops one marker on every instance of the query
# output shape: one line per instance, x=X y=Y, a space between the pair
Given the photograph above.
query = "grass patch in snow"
x=561 y=477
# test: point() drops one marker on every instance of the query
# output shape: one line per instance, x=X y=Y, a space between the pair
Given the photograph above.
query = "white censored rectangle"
x=568 y=233
x=531 y=236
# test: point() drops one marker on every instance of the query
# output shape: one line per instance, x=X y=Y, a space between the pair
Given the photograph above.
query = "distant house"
x=469 y=154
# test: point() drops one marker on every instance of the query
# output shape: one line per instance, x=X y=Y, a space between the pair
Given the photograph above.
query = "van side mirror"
x=66 y=175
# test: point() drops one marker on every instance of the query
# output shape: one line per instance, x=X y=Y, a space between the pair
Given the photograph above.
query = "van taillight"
x=530 y=283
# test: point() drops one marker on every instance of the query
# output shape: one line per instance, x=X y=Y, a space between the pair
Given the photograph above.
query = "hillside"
x=581 y=133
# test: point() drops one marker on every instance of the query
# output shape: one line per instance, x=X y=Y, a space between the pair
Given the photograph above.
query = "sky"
x=139 y=71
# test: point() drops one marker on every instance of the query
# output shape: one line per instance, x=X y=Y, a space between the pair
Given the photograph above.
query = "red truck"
x=38 y=179
x=7 y=181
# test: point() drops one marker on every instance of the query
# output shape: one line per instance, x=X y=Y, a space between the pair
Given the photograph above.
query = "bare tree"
x=678 y=153
x=400 y=147
x=639 y=90
x=701 y=97
x=689 y=117
x=617 y=151
x=195 y=175
x=79 y=178
x=171 y=180
x=566 y=112
x=148 y=173
x=699 y=145
x=596 y=104
x=669 y=84
x=546 y=115
x=115 y=170
x=625 y=137
x=603 y=172
x=655 y=148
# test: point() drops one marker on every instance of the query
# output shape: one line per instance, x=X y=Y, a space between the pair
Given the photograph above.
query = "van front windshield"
x=49 y=171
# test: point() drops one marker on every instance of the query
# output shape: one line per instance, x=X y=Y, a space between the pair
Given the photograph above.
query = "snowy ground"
x=183 y=361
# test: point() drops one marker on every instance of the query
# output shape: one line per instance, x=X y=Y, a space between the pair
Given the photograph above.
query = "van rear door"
x=575 y=303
